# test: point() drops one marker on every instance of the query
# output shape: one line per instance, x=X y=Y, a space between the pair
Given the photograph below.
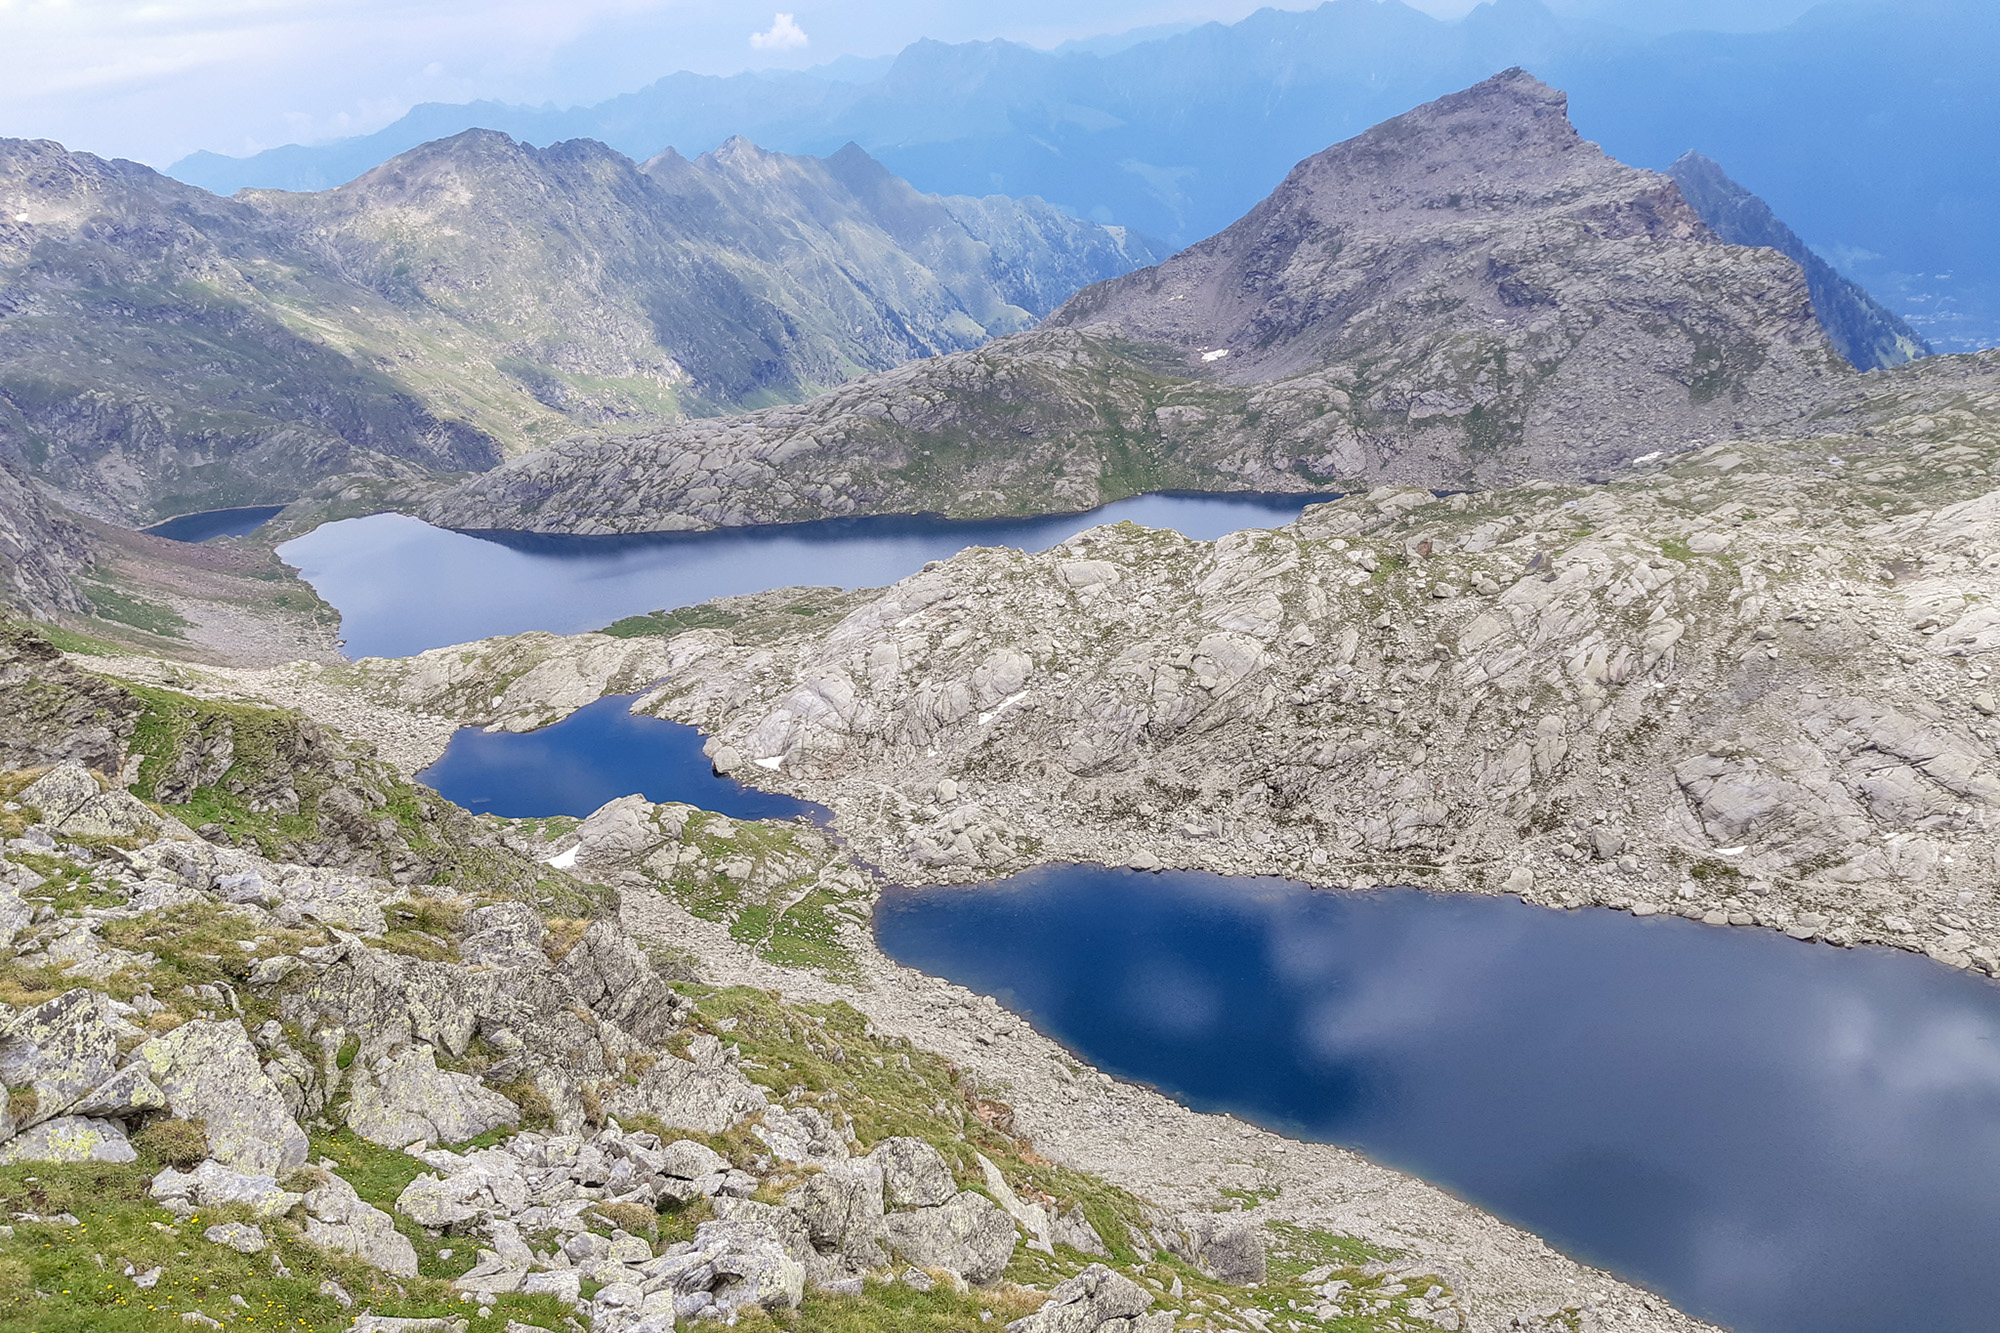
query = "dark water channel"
x=402 y=586
x=1783 y=1138
x=594 y=755
x=212 y=523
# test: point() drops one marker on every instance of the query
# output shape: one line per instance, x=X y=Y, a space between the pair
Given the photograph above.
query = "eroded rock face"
x=1095 y=1300
x=208 y=1071
x=967 y=1235
x=406 y=1098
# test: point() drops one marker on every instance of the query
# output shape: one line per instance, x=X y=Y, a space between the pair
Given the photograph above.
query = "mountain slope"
x=163 y=350
x=1859 y=122
x=1467 y=294
x=1868 y=335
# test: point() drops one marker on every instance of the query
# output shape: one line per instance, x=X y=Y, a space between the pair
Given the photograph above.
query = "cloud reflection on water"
x=1780 y=1136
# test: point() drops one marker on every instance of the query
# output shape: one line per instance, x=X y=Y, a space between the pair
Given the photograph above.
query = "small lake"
x=214 y=523
x=402 y=586
x=1783 y=1138
x=596 y=754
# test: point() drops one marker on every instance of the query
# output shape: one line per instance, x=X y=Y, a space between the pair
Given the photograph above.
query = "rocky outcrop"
x=209 y=1072
x=406 y=1098
x=1096 y=1300
x=1728 y=685
x=967 y=1235
x=1467 y=295
x=339 y=1221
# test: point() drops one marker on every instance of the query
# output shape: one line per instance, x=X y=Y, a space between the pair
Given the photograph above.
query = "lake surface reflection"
x=596 y=754
x=212 y=523
x=402 y=586
x=1780 y=1137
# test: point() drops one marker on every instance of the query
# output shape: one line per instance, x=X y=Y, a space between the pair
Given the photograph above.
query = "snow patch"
x=1216 y=355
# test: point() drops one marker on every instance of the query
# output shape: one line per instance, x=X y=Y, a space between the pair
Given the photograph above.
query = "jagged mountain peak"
x=1476 y=267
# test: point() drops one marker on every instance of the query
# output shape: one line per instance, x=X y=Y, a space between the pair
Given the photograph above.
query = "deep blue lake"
x=1783 y=1138
x=594 y=755
x=402 y=586
x=213 y=523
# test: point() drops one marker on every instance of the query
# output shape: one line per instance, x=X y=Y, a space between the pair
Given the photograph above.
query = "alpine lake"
x=1780 y=1137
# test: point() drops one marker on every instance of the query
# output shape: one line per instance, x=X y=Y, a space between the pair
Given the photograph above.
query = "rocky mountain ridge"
x=467 y=299
x=1870 y=336
x=1467 y=295
x=1745 y=683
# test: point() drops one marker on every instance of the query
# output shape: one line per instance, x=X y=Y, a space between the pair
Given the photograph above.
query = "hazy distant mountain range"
x=163 y=350
x=1867 y=124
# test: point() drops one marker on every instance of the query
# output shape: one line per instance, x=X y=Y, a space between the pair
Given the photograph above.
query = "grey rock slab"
x=69 y=1138
x=238 y=1236
x=1033 y=1216
x=406 y=1098
x=566 y=1285
x=339 y=1220
x=688 y=1160
x=914 y=1174
x=60 y=1049
x=61 y=792
x=125 y=1094
x=331 y=899
x=484 y=1184
x=1227 y=1248
x=15 y=912
x=209 y=1072
x=841 y=1207
x=211 y=1184
x=707 y=1094
x=801 y=1134
x=1087 y=1302
x=375 y=991
x=969 y=1235
x=120 y=814
x=750 y=1266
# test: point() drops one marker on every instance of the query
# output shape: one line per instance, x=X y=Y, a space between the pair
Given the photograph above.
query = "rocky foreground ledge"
x=303 y=1066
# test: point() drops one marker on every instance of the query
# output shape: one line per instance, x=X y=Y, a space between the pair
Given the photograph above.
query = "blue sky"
x=154 y=79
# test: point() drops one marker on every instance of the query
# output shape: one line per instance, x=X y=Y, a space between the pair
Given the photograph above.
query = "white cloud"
x=784 y=34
